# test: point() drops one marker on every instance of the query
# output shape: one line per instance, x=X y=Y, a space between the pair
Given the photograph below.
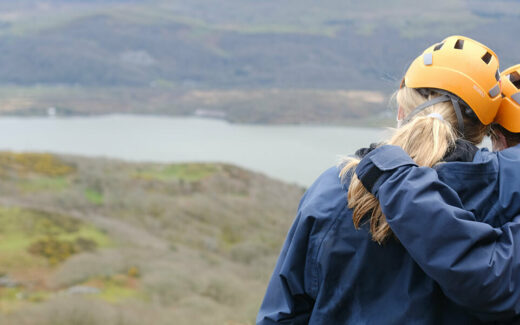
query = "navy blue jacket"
x=329 y=272
x=476 y=264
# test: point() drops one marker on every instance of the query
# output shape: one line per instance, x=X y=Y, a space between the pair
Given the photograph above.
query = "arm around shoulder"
x=474 y=263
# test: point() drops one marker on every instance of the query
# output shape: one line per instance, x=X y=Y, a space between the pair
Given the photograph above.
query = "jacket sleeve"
x=287 y=300
x=476 y=265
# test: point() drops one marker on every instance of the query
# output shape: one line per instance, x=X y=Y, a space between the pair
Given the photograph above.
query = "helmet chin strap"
x=436 y=100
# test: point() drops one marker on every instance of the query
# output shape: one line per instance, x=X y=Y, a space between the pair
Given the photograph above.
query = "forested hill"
x=269 y=61
x=333 y=44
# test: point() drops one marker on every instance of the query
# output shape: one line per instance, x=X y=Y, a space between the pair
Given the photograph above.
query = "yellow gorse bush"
x=39 y=163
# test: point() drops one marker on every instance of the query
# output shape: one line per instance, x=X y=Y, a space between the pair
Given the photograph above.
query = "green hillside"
x=137 y=243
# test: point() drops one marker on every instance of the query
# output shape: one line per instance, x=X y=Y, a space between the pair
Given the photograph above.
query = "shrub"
x=94 y=196
x=53 y=224
x=44 y=164
x=54 y=250
x=82 y=267
x=57 y=250
x=85 y=245
x=133 y=272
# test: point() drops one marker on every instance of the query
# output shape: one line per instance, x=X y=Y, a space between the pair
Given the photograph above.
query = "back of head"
x=450 y=91
x=507 y=120
x=432 y=132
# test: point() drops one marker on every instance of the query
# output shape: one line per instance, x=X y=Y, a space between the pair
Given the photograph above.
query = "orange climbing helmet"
x=508 y=115
x=462 y=67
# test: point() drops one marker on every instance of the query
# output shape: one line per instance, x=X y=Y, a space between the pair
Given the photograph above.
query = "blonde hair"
x=425 y=138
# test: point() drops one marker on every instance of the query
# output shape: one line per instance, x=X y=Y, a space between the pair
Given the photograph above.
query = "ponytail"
x=425 y=138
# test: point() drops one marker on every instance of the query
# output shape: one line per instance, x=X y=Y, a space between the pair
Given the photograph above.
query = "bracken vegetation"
x=137 y=243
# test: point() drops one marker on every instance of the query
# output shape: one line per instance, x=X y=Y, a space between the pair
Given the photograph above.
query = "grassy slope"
x=191 y=242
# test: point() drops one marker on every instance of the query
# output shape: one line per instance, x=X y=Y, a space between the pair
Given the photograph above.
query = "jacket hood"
x=488 y=186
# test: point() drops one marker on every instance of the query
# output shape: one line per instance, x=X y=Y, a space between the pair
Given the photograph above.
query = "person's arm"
x=287 y=299
x=476 y=265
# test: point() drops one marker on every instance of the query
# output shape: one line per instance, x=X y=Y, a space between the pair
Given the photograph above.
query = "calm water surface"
x=296 y=154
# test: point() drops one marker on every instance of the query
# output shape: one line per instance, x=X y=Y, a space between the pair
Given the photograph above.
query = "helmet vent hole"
x=487 y=57
x=497 y=75
x=459 y=44
x=438 y=46
x=515 y=79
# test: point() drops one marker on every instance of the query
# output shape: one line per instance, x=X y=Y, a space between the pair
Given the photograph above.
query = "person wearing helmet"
x=477 y=264
x=340 y=263
x=506 y=129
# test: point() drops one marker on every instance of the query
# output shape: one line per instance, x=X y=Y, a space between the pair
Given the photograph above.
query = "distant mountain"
x=236 y=43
